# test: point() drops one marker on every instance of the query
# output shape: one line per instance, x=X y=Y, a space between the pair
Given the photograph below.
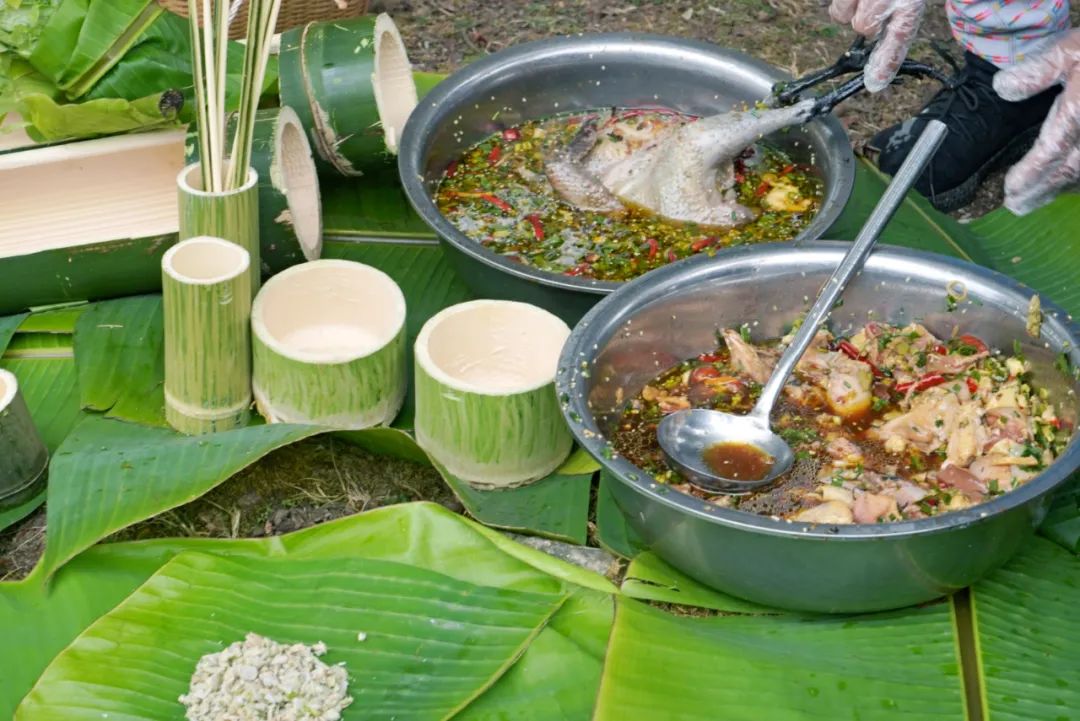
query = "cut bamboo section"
x=87 y=220
x=328 y=346
x=352 y=85
x=24 y=459
x=290 y=221
x=92 y=219
x=485 y=392
x=232 y=215
x=206 y=285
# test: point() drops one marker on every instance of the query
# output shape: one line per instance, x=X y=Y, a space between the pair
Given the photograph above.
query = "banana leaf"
x=578 y=463
x=121 y=359
x=40 y=621
x=109 y=474
x=916 y=224
x=1026 y=626
x=1039 y=250
x=648 y=578
x=11 y=516
x=612 y=530
x=781 y=668
x=125 y=60
x=55 y=320
x=555 y=507
x=430 y=644
x=8 y=325
x=21 y=22
x=85 y=38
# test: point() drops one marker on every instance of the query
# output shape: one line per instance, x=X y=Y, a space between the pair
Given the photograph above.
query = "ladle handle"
x=894 y=194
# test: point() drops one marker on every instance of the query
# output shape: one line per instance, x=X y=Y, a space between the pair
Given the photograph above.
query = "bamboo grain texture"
x=232 y=215
x=207 y=354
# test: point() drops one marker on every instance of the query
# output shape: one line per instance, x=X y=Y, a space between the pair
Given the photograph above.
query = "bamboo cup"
x=232 y=215
x=329 y=346
x=24 y=459
x=207 y=303
x=485 y=392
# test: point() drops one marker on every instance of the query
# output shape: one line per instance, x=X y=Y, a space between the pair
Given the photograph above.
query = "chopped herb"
x=920 y=359
x=744 y=331
x=950 y=303
x=880 y=404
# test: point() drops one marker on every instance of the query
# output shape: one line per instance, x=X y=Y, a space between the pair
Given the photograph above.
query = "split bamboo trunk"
x=329 y=346
x=206 y=286
x=24 y=459
x=352 y=86
x=232 y=215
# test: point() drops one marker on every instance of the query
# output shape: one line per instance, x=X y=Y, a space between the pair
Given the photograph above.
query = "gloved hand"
x=1053 y=163
x=895 y=21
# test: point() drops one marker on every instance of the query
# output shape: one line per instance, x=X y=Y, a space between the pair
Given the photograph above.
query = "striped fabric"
x=1005 y=31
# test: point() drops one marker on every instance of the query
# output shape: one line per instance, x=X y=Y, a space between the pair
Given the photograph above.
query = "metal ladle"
x=685 y=436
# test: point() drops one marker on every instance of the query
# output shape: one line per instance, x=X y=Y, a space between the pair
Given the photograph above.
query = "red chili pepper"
x=578 y=269
x=671 y=256
x=653 y=247
x=762 y=189
x=927 y=381
x=848 y=349
x=931 y=501
x=787 y=169
x=495 y=154
x=940 y=349
x=699 y=374
x=537 y=226
x=974 y=342
x=497 y=202
x=451 y=169
x=511 y=135
x=709 y=357
x=740 y=178
x=702 y=243
x=972 y=384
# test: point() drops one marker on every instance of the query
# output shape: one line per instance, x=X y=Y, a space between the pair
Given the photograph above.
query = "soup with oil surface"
x=497 y=194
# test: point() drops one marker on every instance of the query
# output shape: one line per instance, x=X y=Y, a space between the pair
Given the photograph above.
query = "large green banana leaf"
x=121 y=364
x=85 y=38
x=42 y=620
x=109 y=474
x=416 y=644
x=1026 y=627
x=116 y=58
x=781 y=668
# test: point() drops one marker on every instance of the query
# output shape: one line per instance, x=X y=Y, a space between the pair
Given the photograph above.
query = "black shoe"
x=985 y=133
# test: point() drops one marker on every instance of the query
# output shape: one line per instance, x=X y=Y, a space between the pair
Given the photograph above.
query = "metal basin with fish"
x=540 y=79
x=654 y=322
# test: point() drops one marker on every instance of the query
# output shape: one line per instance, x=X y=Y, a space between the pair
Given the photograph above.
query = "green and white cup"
x=328 y=343
x=486 y=408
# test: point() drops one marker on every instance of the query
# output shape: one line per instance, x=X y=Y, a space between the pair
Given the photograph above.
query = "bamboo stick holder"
x=232 y=215
x=206 y=286
x=24 y=459
x=328 y=343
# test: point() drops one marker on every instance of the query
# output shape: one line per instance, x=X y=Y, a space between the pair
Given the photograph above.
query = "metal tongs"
x=852 y=61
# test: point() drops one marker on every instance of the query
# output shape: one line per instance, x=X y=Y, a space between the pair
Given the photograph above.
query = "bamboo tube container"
x=328 y=344
x=24 y=460
x=232 y=215
x=485 y=392
x=206 y=286
x=290 y=217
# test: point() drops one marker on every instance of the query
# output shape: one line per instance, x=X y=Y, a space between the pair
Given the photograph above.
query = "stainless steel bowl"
x=538 y=79
x=672 y=313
